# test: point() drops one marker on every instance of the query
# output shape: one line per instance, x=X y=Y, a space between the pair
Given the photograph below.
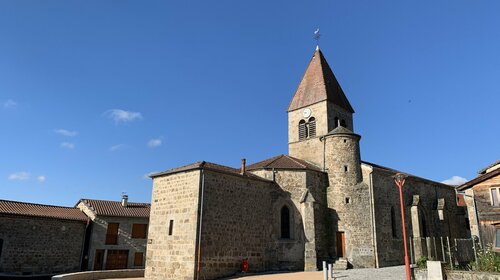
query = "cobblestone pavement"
x=387 y=273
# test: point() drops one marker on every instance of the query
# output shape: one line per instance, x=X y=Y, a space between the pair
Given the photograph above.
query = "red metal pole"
x=400 y=184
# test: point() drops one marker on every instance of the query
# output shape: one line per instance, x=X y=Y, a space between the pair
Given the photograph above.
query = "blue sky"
x=96 y=94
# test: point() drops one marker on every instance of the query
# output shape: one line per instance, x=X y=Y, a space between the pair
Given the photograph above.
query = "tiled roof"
x=318 y=84
x=479 y=179
x=208 y=166
x=342 y=130
x=283 y=162
x=198 y=165
x=482 y=171
x=115 y=208
x=41 y=210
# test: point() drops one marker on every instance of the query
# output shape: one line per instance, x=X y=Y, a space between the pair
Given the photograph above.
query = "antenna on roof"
x=316 y=37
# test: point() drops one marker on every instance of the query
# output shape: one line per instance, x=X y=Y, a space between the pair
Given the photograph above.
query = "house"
x=482 y=197
x=37 y=239
x=118 y=235
x=320 y=202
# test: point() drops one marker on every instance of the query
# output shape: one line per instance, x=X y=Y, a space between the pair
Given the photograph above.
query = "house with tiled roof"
x=320 y=202
x=118 y=233
x=482 y=197
x=38 y=239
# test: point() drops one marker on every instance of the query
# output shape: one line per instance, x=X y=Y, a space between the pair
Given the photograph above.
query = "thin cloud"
x=65 y=132
x=117 y=147
x=10 y=104
x=153 y=143
x=146 y=176
x=19 y=176
x=455 y=181
x=121 y=116
x=67 y=145
x=41 y=179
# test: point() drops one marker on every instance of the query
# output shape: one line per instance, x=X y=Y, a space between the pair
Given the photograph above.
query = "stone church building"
x=320 y=202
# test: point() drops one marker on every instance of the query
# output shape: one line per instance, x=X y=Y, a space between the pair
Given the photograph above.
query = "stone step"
x=340 y=264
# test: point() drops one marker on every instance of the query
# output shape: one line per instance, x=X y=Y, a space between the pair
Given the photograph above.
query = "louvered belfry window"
x=302 y=130
x=312 y=127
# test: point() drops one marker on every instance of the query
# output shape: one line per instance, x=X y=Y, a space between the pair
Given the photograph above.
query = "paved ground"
x=387 y=273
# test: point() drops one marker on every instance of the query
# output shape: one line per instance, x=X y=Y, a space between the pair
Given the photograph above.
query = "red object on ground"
x=244 y=265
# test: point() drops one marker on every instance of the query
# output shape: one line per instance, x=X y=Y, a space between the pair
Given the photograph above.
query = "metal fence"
x=455 y=251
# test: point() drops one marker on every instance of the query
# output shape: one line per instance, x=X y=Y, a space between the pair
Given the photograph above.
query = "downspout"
x=372 y=216
x=477 y=217
x=82 y=253
x=323 y=139
x=202 y=191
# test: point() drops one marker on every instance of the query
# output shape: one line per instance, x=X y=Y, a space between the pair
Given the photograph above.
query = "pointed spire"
x=319 y=84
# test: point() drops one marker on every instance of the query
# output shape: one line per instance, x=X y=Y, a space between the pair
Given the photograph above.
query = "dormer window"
x=307 y=129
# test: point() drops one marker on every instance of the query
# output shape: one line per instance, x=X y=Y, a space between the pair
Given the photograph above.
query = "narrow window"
x=312 y=127
x=285 y=222
x=424 y=226
x=497 y=238
x=138 y=258
x=302 y=130
x=346 y=168
x=171 y=227
x=139 y=230
x=347 y=200
x=112 y=233
x=342 y=123
x=494 y=197
x=335 y=122
x=393 y=223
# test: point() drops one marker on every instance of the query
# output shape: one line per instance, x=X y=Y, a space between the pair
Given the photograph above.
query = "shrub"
x=486 y=260
x=422 y=262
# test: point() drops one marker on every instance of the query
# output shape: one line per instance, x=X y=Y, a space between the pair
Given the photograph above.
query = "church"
x=320 y=202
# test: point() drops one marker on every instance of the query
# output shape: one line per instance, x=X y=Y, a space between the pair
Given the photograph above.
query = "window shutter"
x=302 y=130
x=312 y=127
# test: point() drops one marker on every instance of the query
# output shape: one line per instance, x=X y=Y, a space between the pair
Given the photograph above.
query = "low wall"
x=101 y=274
x=421 y=274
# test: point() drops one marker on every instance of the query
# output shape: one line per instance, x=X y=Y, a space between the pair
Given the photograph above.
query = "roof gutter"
x=200 y=222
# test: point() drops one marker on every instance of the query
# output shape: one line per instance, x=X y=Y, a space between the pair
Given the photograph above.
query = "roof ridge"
x=296 y=161
x=117 y=201
x=39 y=204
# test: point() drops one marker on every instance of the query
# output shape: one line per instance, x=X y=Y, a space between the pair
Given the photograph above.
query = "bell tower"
x=318 y=106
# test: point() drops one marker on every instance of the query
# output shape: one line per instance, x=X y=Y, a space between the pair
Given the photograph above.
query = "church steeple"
x=319 y=84
x=318 y=106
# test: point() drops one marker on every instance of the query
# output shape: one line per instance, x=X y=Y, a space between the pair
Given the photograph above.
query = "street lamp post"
x=399 y=179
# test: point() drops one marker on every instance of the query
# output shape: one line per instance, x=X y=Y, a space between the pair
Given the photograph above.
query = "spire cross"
x=316 y=36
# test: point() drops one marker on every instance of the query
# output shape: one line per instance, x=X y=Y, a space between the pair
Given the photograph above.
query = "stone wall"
x=349 y=200
x=488 y=214
x=421 y=214
x=125 y=240
x=175 y=197
x=238 y=223
x=33 y=245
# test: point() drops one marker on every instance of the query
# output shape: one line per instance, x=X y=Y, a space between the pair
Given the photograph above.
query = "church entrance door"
x=340 y=244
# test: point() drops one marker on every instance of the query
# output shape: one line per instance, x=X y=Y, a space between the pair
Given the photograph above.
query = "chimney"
x=124 y=200
x=243 y=166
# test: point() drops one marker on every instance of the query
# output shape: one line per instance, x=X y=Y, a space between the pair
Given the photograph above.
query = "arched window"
x=312 y=127
x=424 y=226
x=335 y=122
x=342 y=123
x=302 y=130
x=285 y=222
x=393 y=223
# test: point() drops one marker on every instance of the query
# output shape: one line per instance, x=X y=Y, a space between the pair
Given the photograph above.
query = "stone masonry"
x=34 y=245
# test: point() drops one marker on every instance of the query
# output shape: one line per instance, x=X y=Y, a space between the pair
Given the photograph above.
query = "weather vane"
x=316 y=36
